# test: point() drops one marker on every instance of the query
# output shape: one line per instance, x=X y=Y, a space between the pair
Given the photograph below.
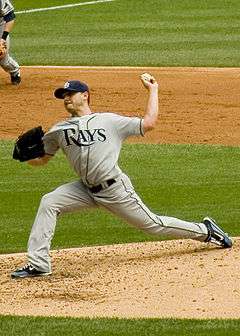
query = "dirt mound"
x=183 y=279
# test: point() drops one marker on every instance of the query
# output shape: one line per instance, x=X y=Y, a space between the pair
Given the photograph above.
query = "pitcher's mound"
x=183 y=279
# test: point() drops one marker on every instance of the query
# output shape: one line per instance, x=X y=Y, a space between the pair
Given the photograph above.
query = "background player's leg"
x=67 y=198
x=8 y=63
x=122 y=200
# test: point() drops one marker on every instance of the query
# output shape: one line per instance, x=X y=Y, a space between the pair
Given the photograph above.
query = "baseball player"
x=7 y=18
x=92 y=143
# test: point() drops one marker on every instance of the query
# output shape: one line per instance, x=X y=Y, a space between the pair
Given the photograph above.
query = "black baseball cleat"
x=215 y=234
x=16 y=79
x=28 y=271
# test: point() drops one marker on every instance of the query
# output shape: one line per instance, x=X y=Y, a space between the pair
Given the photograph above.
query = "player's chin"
x=68 y=107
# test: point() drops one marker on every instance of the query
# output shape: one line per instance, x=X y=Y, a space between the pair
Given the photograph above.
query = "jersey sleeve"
x=128 y=126
x=6 y=7
x=50 y=141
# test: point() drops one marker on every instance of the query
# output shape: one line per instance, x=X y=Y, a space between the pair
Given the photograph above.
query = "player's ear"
x=87 y=96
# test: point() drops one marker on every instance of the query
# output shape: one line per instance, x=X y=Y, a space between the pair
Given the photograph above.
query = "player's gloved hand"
x=29 y=145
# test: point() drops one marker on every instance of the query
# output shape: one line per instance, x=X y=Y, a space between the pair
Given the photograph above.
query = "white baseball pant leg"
x=121 y=199
x=69 y=197
x=8 y=63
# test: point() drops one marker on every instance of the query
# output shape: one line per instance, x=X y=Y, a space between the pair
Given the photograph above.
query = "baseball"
x=147 y=77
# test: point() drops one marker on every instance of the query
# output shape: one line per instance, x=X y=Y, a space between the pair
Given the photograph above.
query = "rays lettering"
x=84 y=137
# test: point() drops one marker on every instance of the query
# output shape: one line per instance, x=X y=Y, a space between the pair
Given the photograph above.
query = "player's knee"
x=48 y=202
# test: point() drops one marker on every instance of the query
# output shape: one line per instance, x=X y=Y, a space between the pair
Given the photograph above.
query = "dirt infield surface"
x=197 y=105
x=162 y=279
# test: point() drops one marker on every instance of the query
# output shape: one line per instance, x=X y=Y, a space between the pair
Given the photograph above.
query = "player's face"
x=73 y=101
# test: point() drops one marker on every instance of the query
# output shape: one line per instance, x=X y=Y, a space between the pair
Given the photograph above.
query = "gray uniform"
x=92 y=144
x=7 y=63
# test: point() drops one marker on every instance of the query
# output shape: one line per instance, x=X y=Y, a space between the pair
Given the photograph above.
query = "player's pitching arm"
x=149 y=120
x=151 y=113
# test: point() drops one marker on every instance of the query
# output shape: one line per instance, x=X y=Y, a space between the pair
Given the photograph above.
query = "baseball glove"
x=29 y=145
x=3 y=49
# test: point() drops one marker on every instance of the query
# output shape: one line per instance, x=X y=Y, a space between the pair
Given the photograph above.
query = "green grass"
x=136 y=32
x=108 y=327
x=183 y=181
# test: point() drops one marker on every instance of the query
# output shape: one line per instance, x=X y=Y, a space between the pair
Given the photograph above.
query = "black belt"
x=102 y=186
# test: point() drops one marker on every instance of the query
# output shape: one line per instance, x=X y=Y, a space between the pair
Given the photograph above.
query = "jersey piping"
x=88 y=154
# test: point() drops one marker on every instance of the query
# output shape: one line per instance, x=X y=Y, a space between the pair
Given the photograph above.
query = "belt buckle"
x=104 y=184
x=101 y=186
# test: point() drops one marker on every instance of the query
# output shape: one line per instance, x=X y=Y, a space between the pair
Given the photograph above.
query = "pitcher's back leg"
x=69 y=197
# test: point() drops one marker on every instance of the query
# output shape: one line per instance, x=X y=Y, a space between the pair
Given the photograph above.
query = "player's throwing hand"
x=148 y=80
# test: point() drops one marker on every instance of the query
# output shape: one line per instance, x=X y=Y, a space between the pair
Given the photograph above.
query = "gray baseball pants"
x=120 y=199
x=8 y=63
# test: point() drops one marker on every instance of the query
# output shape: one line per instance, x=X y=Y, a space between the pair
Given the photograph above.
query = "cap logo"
x=66 y=85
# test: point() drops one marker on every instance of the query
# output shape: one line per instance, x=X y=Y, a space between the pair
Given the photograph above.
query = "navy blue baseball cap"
x=71 y=86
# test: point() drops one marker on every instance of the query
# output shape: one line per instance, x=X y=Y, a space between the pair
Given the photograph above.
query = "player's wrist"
x=153 y=88
x=5 y=35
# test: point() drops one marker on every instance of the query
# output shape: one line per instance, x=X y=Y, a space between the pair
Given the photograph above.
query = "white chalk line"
x=123 y=68
x=33 y=10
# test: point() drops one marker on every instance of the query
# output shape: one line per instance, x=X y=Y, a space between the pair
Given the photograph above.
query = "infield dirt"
x=197 y=105
x=161 y=279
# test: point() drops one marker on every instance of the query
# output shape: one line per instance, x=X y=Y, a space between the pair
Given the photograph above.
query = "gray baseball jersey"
x=92 y=143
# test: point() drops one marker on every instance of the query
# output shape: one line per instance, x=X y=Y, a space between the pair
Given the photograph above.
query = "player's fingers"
x=147 y=78
x=153 y=80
